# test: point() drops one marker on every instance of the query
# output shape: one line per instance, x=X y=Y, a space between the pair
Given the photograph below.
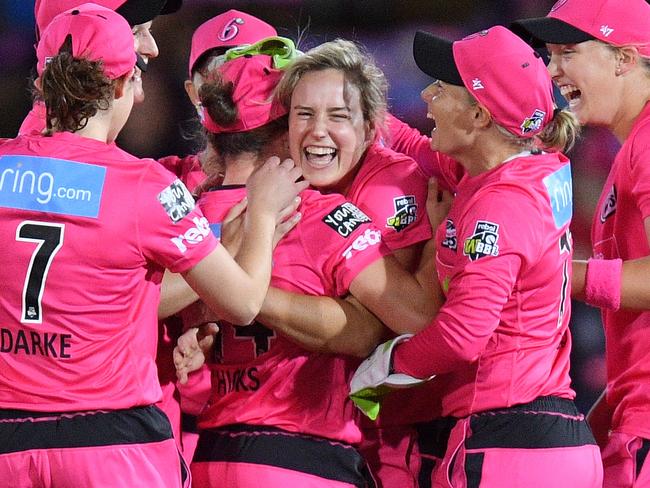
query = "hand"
x=273 y=186
x=192 y=348
x=287 y=220
x=373 y=379
x=438 y=204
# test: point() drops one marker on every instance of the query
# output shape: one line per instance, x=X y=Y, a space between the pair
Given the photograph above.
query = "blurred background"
x=160 y=126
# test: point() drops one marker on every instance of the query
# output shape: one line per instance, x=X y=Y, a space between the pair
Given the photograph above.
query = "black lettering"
x=222 y=385
x=36 y=342
x=254 y=380
x=6 y=341
x=21 y=342
x=238 y=383
x=49 y=344
x=65 y=344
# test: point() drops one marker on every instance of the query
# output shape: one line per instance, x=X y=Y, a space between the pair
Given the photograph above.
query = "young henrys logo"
x=345 y=218
x=483 y=242
x=406 y=211
x=609 y=207
x=176 y=200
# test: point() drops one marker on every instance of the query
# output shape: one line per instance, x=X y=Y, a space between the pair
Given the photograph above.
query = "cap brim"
x=142 y=11
x=542 y=30
x=435 y=57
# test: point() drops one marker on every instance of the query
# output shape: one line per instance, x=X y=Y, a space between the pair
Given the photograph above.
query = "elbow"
x=244 y=314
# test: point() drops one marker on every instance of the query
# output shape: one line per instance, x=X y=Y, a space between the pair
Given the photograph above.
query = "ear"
x=38 y=84
x=121 y=84
x=482 y=118
x=191 y=91
x=626 y=59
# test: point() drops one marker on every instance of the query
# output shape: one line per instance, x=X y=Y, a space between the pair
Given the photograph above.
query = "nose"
x=553 y=66
x=319 y=126
x=145 y=45
x=426 y=95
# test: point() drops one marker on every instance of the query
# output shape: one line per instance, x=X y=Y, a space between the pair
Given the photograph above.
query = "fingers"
x=236 y=211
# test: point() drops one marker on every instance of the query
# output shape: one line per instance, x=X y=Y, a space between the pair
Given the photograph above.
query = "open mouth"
x=571 y=93
x=433 y=121
x=319 y=156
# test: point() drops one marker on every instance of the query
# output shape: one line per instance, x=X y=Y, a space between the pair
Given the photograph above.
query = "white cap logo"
x=606 y=30
x=231 y=30
x=477 y=84
x=557 y=5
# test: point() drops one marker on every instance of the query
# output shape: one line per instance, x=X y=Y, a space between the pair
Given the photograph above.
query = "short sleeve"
x=172 y=230
x=640 y=170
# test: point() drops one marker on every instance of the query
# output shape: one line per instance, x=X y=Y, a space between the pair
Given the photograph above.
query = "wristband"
x=603 y=283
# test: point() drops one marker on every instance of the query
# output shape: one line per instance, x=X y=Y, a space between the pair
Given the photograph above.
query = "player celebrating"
x=500 y=342
x=139 y=14
x=83 y=265
x=600 y=59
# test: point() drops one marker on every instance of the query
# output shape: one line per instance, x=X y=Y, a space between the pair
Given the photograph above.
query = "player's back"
x=80 y=290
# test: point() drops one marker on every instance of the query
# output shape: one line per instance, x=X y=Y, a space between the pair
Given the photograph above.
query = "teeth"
x=320 y=151
x=570 y=92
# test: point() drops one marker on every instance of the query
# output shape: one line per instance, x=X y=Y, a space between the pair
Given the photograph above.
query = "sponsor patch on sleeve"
x=177 y=201
x=483 y=242
x=450 y=241
x=345 y=218
x=406 y=212
x=560 y=191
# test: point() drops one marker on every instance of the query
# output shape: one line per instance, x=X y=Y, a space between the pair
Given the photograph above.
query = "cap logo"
x=558 y=4
x=231 y=29
x=606 y=30
x=477 y=84
x=534 y=122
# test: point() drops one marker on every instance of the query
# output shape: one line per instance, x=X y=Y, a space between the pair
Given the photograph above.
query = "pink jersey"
x=188 y=169
x=618 y=232
x=35 y=120
x=392 y=190
x=504 y=261
x=260 y=378
x=88 y=231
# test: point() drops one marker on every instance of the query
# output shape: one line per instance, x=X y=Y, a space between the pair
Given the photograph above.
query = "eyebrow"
x=329 y=110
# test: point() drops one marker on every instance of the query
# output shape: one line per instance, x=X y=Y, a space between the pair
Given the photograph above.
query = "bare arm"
x=175 y=295
x=634 y=289
x=324 y=324
x=235 y=290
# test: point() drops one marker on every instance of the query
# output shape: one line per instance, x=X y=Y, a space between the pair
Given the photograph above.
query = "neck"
x=634 y=98
x=99 y=127
x=489 y=150
x=239 y=168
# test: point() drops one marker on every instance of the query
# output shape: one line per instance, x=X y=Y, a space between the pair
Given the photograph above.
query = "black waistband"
x=549 y=404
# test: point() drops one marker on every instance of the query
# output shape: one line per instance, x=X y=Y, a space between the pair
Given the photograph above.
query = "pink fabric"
x=98 y=33
x=575 y=467
x=46 y=10
x=103 y=283
x=392 y=454
x=246 y=475
x=265 y=379
x=254 y=79
x=603 y=283
x=229 y=29
x=188 y=169
x=620 y=462
x=522 y=112
x=112 y=466
x=617 y=23
x=34 y=121
x=392 y=190
x=502 y=334
x=618 y=232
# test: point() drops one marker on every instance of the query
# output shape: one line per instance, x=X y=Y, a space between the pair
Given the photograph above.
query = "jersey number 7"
x=49 y=238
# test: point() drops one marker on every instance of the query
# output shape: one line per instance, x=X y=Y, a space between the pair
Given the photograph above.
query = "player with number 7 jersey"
x=87 y=232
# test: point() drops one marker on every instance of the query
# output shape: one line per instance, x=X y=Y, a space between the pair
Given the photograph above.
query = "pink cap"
x=229 y=29
x=134 y=11
x=499 y=69
x=254 y=80
x=616 y=22
x=97 y=33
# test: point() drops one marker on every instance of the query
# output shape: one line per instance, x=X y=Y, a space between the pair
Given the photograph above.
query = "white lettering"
x=193 y=235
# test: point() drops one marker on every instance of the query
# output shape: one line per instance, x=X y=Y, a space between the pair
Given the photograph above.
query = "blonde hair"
x=560 y=134
x=358 y=68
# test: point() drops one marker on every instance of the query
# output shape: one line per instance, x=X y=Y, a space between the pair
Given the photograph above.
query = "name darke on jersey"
x=32 y=343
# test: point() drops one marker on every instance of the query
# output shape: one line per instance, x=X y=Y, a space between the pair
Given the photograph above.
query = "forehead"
x=328 y=86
